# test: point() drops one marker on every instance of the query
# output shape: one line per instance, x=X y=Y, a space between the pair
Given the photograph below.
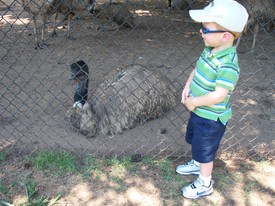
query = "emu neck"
x=81 y=92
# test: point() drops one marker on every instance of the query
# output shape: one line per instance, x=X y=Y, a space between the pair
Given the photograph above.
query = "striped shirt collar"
x=224 y=52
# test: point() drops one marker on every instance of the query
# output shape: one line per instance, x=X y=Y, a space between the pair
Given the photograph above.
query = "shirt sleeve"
x=227 y=77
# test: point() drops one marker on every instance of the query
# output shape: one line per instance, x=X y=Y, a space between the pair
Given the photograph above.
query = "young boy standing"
x=208 y=90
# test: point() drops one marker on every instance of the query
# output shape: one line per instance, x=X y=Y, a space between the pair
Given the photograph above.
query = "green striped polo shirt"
x=219 y=69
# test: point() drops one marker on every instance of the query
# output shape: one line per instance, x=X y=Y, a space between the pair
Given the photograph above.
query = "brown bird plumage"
x=46 y=8
x=117 y=13
x=261 y=16
x=127 y=98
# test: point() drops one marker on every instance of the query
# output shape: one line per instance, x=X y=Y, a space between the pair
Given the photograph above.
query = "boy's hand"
x=185 y=95
x=189 y=104
x=208 y=99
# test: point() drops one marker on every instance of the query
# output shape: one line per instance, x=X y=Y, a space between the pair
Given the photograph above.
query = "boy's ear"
x=226 y=36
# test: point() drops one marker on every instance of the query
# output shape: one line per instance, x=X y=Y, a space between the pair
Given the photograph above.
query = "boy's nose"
x=200 y=30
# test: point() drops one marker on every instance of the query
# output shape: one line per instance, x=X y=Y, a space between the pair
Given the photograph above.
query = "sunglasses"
x=207 y=31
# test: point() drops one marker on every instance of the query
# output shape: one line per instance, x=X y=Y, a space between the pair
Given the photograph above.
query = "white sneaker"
x=197 y=189
x=188 y=169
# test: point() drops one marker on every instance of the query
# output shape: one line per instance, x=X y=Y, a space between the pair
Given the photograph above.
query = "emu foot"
x=6 y=8
x=106 y=28
x=250 y=51
x=71 y=38
x=54 y=33
x=41 y=45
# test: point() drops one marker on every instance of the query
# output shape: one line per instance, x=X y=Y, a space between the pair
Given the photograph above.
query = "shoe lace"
x=197 y=183
x=191 y=162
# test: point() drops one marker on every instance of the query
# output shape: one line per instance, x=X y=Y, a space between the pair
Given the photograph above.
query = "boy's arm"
x=186 y=90
x=208 y=99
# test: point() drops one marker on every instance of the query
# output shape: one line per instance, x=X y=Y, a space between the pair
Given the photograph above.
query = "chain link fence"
x=158 y=36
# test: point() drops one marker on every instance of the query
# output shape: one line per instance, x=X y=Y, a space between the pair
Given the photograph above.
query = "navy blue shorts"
x=205 y=136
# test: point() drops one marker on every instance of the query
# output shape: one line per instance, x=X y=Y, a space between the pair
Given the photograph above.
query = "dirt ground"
x=35 y=93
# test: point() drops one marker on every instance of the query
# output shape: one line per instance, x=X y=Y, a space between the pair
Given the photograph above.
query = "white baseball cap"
x=227 y=13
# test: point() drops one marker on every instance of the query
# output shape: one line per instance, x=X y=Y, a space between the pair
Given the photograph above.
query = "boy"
x=208 y=90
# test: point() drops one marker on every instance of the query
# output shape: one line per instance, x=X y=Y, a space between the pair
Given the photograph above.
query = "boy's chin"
x=205 y=43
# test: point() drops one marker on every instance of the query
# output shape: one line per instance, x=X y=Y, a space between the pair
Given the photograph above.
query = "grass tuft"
x=59 y=161
x=3 y=157
x=4 y=189
x=166 y=170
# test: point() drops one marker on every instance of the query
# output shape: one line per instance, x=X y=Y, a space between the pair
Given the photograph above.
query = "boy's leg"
x=205 y=143
x=206 y=169
x=191 y=167
x=206 y=172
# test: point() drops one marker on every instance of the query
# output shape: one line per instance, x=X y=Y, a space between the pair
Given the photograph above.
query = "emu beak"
x=72 y=77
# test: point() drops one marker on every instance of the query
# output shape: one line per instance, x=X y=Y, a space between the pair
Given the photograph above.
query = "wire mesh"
x=161 y=37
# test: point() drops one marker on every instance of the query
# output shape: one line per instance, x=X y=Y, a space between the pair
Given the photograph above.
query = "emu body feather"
x=261 y=16
x=46 y=8
x=127 y=98
x=116 y=12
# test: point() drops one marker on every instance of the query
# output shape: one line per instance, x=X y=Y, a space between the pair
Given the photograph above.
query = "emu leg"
x=91 y=6
x=256 y=31
x=238 y=42
x=69 y=26
x=54 y=26
x=42 y=43
x=169 y=4
x=70 y=16
x=113 y=26
x=107 y=28
x=255 y=34
x=39 y=43
x=35 y=31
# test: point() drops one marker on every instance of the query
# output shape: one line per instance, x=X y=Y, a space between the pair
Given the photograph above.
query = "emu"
x=182 y=5
x=128 y=97
x=178 y=5
x=261 y=15
x=116 y=12
x=46 y=8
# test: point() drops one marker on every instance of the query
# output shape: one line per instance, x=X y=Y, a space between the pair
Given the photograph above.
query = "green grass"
x=60 y=162
x=91 y=165
x=31 y=193
x=4 y=189
x=119 y=184
x=120 y=165
x=114 y=173
x=148 y=161
x=3 y=157
x=225 y=180
x=114 y=161
x=166 y=170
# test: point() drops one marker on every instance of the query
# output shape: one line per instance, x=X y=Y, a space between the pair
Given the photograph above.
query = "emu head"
x=79 y=71
x=91 y=6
